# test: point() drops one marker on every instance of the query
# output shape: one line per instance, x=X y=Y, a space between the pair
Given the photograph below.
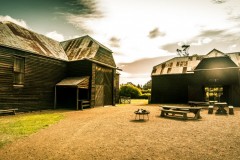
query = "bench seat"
x=165 y=112
x=13 y=111
x=84 y=103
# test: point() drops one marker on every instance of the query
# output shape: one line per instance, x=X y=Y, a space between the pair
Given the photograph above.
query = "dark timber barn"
x=37 y=72
x=211 y=77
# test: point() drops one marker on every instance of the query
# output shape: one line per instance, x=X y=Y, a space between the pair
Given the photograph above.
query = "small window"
x=169 y=70
x=90 y=43
x=18 y=71
x=184 y=70
x=154 y=70
x=177 y=64
x=161 y=71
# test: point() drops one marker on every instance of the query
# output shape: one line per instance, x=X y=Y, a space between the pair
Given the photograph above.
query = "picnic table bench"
x=198 y=103
x=166 y=111
x=84 y=103
x=180 y=110
x=12 y=111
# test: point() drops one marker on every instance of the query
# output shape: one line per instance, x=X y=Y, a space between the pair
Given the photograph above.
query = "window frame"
x=18 y=71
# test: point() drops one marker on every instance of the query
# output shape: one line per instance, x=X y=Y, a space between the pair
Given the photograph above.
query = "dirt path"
x=112 y=133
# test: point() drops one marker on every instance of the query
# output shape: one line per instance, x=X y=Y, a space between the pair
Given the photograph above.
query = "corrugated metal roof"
x=77 y=49
x=87 y=48
x=180 y=65
x=17 y=37
x=80 y=82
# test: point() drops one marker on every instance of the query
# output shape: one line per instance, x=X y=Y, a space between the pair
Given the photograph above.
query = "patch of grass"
x=136 y=102
x=13 y=127
x=139 y=101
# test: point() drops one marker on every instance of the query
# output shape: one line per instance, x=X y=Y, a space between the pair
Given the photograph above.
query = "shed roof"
x=87 y=48
x=79 y=82
x=17 y=37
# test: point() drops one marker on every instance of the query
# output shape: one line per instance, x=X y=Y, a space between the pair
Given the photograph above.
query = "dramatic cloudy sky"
x=141 y=33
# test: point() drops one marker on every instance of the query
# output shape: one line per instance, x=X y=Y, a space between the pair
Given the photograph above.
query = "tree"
x=129 y=90
x=148 y=85
x=184 y=51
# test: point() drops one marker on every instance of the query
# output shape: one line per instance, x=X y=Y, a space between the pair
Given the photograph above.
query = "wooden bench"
x=124 y=99
x=83 y=104
x=195 y=103
x=11 y=111
x=165 y=112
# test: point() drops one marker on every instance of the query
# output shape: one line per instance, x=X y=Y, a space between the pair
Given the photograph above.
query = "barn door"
x=99 y=99
x=104 y=86
x=108 y=87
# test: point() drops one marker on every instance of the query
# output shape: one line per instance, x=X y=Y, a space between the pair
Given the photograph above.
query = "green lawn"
x=136 y=102
x=13 y=127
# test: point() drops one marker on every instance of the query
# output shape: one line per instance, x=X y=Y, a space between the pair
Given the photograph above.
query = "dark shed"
x=212 y=77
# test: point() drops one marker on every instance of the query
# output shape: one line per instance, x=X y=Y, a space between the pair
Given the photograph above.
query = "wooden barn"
x=211 y=77
x=37 y=72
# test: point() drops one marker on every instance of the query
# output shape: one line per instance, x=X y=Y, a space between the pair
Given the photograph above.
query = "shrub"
x=144 y=96
x=129 y=90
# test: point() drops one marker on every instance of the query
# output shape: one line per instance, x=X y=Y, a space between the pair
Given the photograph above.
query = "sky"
x=140 y=33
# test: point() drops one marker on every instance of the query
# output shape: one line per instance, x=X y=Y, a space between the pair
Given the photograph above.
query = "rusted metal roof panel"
x=14 y=36
x=77 y=49
x=87 y=48
x=79 y=82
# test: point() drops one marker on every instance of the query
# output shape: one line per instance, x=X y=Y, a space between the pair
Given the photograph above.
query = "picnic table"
x=221 y=106
x=180 y=110
x=142 y=112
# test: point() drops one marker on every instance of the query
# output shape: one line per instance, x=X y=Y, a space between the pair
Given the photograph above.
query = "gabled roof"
x=17 y=37
x=215 y=53
x=87 y=48
x=188 y=64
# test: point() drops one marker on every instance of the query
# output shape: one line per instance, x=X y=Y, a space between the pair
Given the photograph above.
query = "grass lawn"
x=14 y=127
x=136 y=102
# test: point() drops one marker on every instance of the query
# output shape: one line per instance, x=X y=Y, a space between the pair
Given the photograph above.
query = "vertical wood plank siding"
x=41 y=75
x=93 y=82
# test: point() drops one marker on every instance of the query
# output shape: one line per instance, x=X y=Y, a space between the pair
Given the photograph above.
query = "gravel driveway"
x=113 y=133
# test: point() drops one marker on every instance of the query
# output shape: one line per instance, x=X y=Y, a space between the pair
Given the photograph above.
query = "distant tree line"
x=136 y=91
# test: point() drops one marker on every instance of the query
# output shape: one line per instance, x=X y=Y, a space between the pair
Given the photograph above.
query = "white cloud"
x=206 y=40
x=232 y=47
x=19 y=22
x=202 y=41
x=56 y=36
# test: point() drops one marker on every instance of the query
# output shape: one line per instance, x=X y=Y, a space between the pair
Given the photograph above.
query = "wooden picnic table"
x=181 y=110
x=221 y=106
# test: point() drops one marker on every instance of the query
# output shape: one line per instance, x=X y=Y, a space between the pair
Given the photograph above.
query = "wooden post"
x=55 y=97
x=77 y=98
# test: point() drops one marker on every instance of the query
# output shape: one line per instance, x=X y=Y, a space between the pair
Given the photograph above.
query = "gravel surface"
x=113 y=133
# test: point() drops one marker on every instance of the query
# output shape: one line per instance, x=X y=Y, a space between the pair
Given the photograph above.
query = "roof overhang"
x=77 y=82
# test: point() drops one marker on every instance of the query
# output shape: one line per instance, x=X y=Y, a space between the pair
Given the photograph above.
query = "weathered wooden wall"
x=41 y=75
x=170 y=88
